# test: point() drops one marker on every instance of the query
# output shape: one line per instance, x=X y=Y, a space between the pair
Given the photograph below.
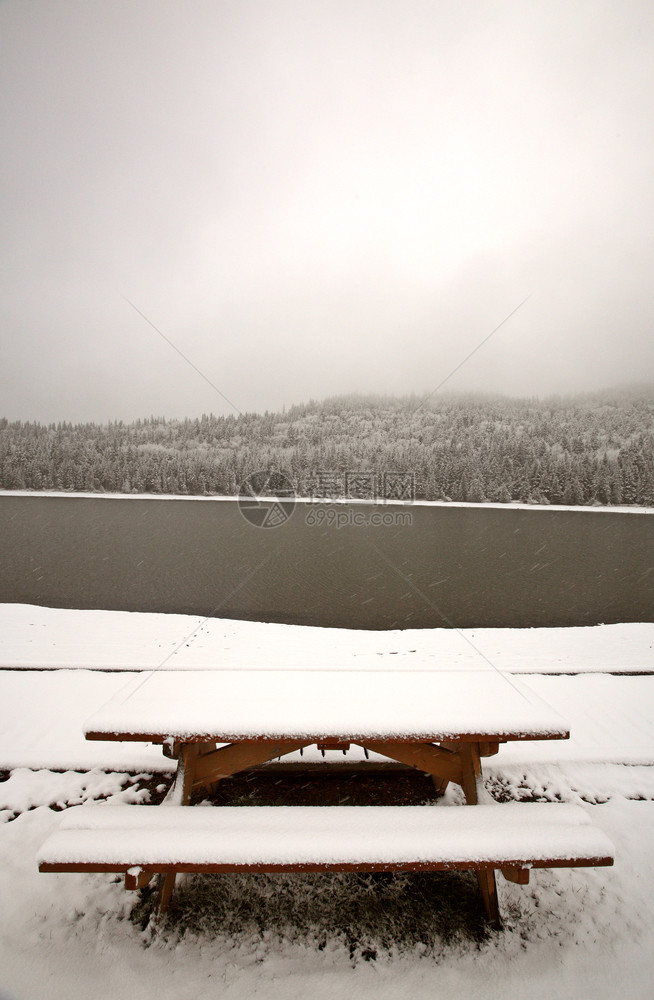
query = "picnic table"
x=217 y=723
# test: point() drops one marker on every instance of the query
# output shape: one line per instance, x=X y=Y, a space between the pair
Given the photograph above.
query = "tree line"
x=591 y=449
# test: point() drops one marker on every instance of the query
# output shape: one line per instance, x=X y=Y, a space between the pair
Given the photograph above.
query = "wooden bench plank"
x=313 y=838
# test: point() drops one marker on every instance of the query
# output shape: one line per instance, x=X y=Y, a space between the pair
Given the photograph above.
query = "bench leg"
x=473 y=787
x=488 y=889
x=166 y=886
x=178 y=795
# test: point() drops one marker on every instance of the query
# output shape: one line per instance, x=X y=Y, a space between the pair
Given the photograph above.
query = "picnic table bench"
x=217 y=723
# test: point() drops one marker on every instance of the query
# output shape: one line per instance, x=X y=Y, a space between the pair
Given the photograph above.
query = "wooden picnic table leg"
x=473 y=788
x=440 y=784
x=472 y=780
x=486 y=749
x=179 y=795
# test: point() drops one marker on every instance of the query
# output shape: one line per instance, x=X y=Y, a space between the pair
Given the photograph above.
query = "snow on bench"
x=513 y=837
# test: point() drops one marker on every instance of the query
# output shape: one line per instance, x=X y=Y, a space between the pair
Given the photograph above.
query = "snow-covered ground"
x=571 y=933
x=33 y=637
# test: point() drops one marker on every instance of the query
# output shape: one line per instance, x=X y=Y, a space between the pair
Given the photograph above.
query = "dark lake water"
x=457 y=566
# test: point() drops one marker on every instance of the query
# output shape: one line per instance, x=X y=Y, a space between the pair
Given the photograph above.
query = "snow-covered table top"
x=226 y=706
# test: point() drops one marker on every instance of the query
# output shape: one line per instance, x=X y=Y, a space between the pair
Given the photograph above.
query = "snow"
x=41 y=723
x=260 y=835
x=26 y=789
x=612 y=720
x=33 y=637
x=227 y=705
x=329 y=502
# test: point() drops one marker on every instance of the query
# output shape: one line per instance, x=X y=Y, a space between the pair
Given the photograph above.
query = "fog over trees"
x=591 y=449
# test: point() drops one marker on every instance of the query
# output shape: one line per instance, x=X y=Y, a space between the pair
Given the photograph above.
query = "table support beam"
x=441 y=764
x=234 y=757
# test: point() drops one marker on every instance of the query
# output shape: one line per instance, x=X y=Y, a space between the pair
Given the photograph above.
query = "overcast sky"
x=322 y=196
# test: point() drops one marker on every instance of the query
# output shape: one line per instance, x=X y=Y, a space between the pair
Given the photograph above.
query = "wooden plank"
x=217 y=867
x=434 y=760
x=351 y=736
x=514 y=835
x=223 y=736
x=236 y=757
